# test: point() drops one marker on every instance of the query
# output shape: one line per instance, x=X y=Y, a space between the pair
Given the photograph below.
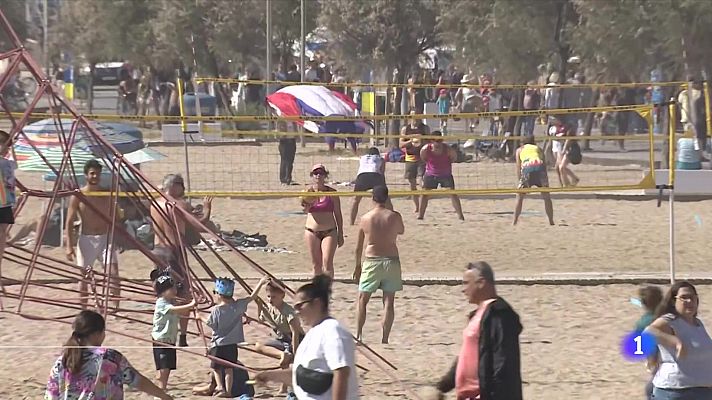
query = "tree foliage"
x=14 y=11
x=382 y=33
x=617 y=40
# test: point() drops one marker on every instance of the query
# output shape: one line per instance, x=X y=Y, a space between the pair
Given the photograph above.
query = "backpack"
x=574 y=153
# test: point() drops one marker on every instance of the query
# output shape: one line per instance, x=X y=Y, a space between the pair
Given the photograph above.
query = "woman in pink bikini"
x=438 y=157
x=324 y=230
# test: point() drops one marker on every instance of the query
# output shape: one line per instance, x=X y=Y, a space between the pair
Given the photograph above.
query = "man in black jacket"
x=497 y=366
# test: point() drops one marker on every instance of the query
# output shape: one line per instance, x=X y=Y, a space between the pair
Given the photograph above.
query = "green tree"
x=14 y=11
x=383 y=34
x=85 y=31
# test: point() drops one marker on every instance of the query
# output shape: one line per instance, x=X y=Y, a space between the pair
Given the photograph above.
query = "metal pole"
x=303 y=37
x=268 y=76
x=303 y=55
x=45 y=24
x=671 y=188
x=184 y=129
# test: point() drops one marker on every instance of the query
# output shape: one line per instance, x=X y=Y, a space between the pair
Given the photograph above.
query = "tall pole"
x=303 y=37
x=45 y=24
x=303 y=54
x=268 y=76
x=671 y=186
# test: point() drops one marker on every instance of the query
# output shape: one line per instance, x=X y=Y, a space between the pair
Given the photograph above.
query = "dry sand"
x=571 y=333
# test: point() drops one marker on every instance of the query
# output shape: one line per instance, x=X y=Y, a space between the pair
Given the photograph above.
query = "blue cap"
x=224 y=287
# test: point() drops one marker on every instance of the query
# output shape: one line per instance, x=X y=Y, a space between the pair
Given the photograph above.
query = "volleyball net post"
x=185 y=132
x=671 y=188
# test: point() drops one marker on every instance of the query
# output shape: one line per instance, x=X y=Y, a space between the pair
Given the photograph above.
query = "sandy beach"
x=570 y=343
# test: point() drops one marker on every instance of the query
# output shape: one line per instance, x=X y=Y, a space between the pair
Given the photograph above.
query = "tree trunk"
x=90 y=89
x=515 y=103
x=588 y=125
x=395 y=124
x=564 y=49
x=518 y=124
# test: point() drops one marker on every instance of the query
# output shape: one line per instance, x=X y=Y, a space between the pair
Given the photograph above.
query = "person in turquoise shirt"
x=649 y=297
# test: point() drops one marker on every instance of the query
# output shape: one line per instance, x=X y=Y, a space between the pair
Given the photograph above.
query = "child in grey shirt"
x=226 y=322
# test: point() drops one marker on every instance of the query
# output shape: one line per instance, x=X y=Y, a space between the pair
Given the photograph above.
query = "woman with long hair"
x=324 y=230
x=325 y=362
x=684 y=358
x=85 y=370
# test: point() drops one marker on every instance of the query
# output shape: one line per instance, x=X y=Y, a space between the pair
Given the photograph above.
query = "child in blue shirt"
x=443 y=103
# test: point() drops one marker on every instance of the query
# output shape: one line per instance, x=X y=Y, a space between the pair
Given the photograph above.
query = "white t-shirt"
x=325 y=348
x=370 y=163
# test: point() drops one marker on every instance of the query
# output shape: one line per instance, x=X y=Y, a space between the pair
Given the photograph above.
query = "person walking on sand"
x=381 y=269
x=684 y=356
x=560 y=148
x=324 y=229
x=531 y=171
x=488 y=367
x=93 y=242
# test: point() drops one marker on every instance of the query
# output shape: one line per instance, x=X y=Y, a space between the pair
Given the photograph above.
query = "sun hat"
x=317 y=167
x=467 y=78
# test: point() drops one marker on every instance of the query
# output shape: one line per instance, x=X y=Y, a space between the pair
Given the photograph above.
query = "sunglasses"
x=686 y=299
x=298 y=306
x=319 y=172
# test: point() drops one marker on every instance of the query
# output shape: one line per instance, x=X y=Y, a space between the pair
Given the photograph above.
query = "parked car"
x=108 y=73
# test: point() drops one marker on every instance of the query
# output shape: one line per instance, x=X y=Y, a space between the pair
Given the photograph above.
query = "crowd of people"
x=317 y=353
x=319 y=362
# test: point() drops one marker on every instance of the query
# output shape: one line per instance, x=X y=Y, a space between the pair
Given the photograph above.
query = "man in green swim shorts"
x=381 y=269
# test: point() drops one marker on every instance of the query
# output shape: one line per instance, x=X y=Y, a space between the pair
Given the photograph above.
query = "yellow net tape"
x=247 y=118
x=444 y=86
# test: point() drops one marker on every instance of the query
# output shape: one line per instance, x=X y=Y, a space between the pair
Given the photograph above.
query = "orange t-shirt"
x=467 y=382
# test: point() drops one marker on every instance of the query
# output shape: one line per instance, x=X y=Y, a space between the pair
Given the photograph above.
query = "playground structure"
x=51 y=298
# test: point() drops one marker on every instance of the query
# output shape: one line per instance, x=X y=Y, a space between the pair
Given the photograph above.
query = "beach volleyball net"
x=610 y=148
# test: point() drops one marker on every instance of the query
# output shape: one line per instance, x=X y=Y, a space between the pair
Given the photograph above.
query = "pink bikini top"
x=323 y=204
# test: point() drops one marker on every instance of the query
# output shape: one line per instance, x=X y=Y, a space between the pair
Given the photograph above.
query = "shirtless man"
x=167 y=244
x=93 y=242
x=379 y=228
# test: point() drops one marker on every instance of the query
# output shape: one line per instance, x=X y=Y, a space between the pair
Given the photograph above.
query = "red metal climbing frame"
x=53 y=297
